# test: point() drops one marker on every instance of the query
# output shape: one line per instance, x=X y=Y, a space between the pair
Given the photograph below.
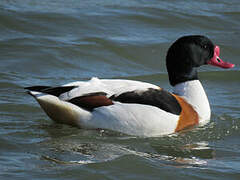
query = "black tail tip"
x=36 y=88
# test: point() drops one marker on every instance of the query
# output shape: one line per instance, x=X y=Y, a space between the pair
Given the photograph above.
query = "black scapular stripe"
x=154 y=97
x=55 y=91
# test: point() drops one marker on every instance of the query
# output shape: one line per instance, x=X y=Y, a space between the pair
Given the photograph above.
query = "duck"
x=134 y=107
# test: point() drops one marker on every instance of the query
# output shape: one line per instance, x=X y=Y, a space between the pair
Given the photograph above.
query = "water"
x=52 y=42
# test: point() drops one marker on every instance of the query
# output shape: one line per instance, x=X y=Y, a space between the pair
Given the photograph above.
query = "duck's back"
x=109 y=86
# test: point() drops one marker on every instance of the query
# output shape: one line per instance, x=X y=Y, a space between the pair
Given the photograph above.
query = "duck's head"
x=187 y=54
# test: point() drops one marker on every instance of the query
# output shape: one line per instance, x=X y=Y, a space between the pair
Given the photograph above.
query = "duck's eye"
x=205 y=46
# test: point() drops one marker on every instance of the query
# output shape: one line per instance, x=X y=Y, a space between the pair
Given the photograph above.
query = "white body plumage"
x=133 y=119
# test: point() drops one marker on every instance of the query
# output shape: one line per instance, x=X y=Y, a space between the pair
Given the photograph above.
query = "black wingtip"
x=37 y=88
x=56 y=91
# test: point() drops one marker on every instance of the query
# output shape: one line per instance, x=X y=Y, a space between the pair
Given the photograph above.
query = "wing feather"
x=154 y=97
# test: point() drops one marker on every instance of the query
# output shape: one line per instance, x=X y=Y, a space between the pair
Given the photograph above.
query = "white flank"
x=134 y=119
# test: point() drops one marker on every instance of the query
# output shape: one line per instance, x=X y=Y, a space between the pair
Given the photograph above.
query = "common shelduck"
x=134 y=107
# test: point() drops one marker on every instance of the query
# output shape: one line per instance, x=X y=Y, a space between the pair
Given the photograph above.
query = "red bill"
x=217 y=61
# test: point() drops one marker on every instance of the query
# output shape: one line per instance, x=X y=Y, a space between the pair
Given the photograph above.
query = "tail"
x=58 y=110
x=55 y=91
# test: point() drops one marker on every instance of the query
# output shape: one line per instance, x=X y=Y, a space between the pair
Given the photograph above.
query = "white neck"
x=194 y=94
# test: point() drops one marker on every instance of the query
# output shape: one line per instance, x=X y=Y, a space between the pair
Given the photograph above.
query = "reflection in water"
x=69 y=145
x=170 y=150
x=195 y=154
